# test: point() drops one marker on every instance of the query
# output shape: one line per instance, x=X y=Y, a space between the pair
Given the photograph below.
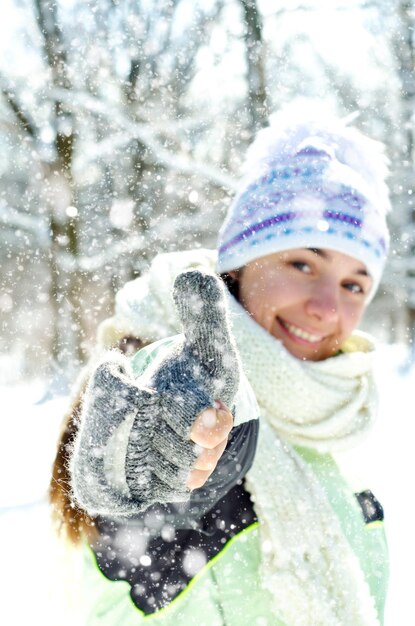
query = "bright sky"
x=340 y=34
x=14 y=58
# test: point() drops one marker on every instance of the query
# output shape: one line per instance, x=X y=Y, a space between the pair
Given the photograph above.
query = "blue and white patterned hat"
x=311 y=182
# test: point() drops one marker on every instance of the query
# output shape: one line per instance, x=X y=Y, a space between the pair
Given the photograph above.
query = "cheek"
x=251 y=288
x=258 y=300
x=351 y=317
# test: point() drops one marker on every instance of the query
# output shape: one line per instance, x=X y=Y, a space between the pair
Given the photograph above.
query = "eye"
x=301 y=266
x=354 y=287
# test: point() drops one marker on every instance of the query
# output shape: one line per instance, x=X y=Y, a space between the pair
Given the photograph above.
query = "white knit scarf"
x=313 y=575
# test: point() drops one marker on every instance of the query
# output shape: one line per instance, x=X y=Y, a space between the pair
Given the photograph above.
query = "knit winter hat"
x=310 y=181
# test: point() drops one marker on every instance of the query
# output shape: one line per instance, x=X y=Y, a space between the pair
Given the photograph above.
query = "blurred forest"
x=123 y=124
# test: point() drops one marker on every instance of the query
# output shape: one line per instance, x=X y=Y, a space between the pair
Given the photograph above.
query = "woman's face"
x=309 y=299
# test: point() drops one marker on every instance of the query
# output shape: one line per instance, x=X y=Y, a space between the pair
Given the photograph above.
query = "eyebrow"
x=323 y=254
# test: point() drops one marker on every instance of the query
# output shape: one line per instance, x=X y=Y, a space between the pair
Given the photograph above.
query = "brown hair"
x=71 y=521
x=232 y=282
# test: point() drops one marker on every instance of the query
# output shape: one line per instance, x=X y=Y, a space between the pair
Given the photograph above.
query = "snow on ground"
x=31 y=572
x=29 y=550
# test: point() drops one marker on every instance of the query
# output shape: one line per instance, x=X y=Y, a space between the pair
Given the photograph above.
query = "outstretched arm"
x=180 y=401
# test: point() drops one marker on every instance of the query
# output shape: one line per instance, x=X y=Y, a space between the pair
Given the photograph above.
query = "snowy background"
x=34 y=566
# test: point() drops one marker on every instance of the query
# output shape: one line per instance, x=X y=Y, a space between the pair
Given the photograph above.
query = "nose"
x=323 y=303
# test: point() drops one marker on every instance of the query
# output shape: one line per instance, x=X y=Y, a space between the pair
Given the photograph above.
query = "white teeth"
x=298 y=332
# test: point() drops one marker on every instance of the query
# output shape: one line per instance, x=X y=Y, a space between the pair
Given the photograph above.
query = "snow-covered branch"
x=25 y=123
x=36 y=225
x=143 y=132
x=84 y=263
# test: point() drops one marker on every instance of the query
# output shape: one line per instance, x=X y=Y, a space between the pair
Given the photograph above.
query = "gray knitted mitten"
x=158 y=408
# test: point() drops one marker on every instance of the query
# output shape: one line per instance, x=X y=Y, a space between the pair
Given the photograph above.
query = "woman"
x=210 y=534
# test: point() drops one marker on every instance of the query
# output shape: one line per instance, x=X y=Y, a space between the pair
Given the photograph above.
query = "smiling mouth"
x=299 y=332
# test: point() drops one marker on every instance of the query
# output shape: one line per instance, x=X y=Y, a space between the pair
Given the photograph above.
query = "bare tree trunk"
x=66 y=285
x=257 y=93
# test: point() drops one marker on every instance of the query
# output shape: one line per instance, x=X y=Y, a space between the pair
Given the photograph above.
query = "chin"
x=305 y=353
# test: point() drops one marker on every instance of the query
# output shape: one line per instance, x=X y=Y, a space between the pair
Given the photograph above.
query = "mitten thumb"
x=201 y=305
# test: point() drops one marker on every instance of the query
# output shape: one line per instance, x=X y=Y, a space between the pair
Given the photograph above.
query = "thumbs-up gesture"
x=167 y=428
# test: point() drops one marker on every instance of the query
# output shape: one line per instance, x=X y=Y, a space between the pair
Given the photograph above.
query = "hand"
x=210 y=432
x=174 y=408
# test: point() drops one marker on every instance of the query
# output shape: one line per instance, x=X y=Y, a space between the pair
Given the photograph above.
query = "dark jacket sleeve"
x=194 y=526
